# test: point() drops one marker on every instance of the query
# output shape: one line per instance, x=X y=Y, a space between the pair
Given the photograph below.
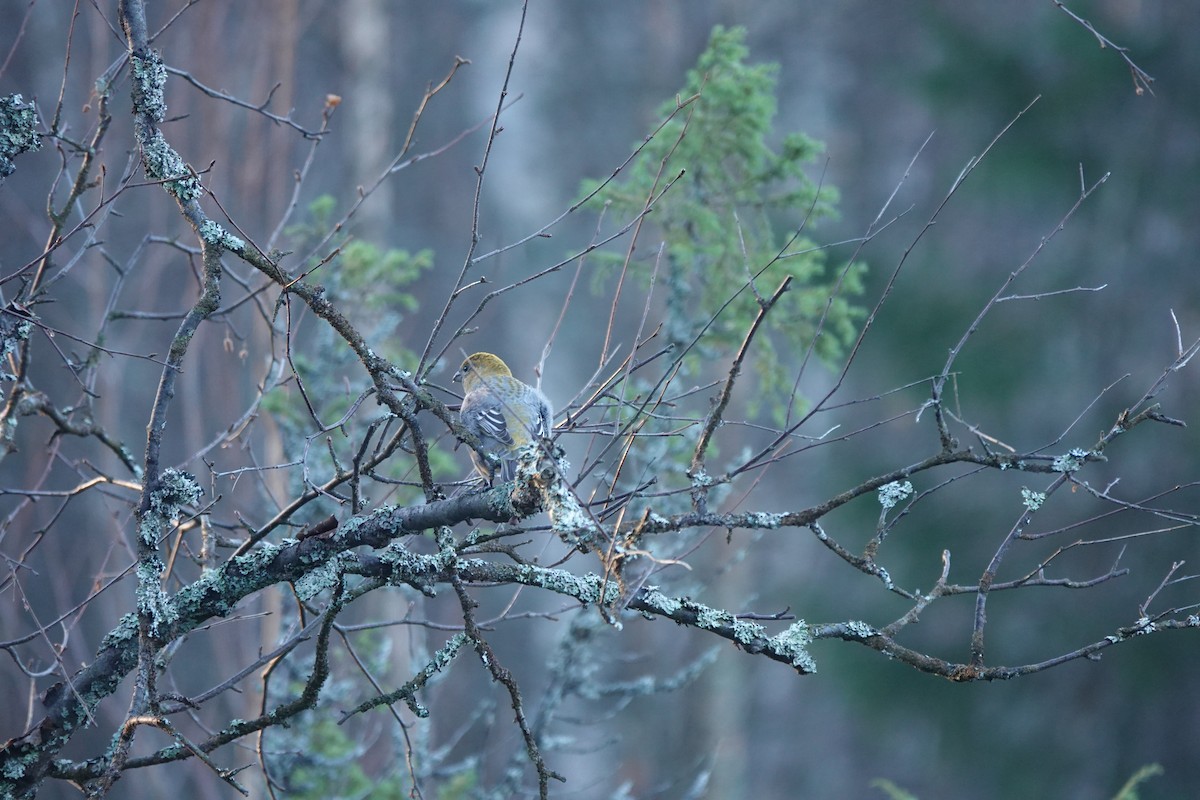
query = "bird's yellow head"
x=481 y=367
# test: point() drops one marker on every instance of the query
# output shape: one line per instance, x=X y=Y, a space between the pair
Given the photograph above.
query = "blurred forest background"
x=871 y=81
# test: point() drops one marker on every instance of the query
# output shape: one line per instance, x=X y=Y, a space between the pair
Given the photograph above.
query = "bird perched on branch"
x=504 y=413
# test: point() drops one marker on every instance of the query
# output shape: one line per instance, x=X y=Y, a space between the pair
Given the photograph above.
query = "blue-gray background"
x=873 y=81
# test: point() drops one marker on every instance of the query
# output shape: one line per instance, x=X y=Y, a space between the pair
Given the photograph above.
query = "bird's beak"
x=457 y=377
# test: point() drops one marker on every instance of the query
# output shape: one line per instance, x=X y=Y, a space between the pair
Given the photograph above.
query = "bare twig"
x=1141 y=80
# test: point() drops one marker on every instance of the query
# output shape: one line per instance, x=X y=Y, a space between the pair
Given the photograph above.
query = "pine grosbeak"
x=504 y=413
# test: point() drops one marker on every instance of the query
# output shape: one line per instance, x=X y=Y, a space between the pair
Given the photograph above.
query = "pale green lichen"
x=426 y=677
x=664 y=604
x=895 y=492
x=216 y=591
x=793 y=643
x=174 y=490
x=566 y=514
x=162 y=163
x=884 y=576
x=383 y=520
x=657 y=520
x=444 y=559
x=713 y=618
x=860 y=630
x=18 y=131
x=1031 y=499
x=585 y=588
x=701 y=479
x=745 y=631
x=14 y=768
x=446 y=654
x=568 y=519
x=153 y=603
x=149 y=79
x=1070 y=461
x=126 y=630
x=215 y=234
x=764 y=521
x=399 y=558
x=321 y=578
x=13 y=331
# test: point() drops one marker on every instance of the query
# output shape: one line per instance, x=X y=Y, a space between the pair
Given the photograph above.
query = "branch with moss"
x=319 y=559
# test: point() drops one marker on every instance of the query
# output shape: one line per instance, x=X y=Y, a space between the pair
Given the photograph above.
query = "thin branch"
x=260 y=108
x=1141 y=79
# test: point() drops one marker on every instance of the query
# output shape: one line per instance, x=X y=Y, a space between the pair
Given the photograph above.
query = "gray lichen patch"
x=162 y=163
x=18 y=131
x=149 y=79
